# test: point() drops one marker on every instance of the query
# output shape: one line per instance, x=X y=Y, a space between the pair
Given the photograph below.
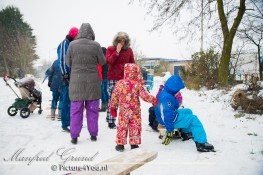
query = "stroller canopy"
x=26 y=82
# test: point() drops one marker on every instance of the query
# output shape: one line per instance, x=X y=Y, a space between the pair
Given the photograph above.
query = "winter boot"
x=186 y=136
x=204 y=147
x=74 y=141
x=112 y=125
x=119 y=148
x=53 y=113
x=93 y=138
x=177 y=134
x=155 y=129
x=134 y=146
x=103 y=107
x=66 y=129
x=59 y=115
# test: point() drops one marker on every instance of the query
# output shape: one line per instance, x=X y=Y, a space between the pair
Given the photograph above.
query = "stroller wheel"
x=12 y=111
x=25 y=112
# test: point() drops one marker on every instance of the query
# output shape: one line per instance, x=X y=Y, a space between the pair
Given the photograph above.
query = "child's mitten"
x=168 y=138
x=113 y=112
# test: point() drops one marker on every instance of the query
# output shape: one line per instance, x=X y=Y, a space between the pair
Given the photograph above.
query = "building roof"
x=170 y=60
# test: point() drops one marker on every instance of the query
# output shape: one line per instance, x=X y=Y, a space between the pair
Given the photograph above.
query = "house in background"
x=174 y=66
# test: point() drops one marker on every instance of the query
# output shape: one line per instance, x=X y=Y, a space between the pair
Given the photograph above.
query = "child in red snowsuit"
x=125 y=96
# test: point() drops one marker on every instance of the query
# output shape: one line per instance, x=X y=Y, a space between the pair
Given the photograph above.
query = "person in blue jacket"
x=171 y=117
x=104 y=85
x=65 y=72
x=55 y=83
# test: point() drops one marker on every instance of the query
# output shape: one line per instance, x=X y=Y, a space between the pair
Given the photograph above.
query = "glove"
x=113 y=112
x=66 y=79
x=155 y=102
x=168 y=138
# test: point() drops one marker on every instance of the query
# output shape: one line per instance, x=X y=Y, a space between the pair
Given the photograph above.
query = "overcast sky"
x=52 y=19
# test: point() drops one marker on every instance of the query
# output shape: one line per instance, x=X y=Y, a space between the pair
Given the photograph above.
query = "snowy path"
x=237 y=152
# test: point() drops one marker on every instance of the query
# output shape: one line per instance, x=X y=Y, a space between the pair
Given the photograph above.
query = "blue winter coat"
x=55 y=77
x=166 y=110
x=61 y=51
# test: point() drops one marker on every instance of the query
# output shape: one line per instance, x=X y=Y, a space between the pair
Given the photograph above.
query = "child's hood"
x=132 y=72
x=174 y=84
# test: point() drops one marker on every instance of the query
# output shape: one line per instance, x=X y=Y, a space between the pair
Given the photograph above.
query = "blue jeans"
x=65 y=109
x=190 y=123
x=56 y=97
x=104 y=91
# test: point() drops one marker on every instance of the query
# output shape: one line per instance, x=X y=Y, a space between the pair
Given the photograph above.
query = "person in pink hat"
x=64 y=116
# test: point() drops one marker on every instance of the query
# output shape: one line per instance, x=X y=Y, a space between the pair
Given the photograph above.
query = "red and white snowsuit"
x=125 y=96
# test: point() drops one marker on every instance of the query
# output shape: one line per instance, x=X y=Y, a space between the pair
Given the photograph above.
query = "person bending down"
x=171 y=117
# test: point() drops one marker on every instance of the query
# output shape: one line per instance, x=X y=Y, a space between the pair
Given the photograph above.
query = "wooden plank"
x=124 y=163
x=49 y=116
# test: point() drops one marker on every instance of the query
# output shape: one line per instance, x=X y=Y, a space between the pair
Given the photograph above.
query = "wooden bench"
x=124 y=163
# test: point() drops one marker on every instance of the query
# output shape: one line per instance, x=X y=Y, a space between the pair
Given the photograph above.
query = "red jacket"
x=99 y=71
x=116 y=63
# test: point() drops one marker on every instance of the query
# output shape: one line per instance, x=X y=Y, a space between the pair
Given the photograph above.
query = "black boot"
x=103 y=107
x=66 y=129
x=186 y=136
x=155 y=129
x=119 y=148
x=93 y=138
x=134 y=146
x=74 y=141
x=112 y=125
x=177 y=134
x=204 y=147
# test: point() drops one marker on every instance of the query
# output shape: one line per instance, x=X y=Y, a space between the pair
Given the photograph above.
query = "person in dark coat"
x=55 y=83
x=83 y=56
x=20 y=73
x=104 y=85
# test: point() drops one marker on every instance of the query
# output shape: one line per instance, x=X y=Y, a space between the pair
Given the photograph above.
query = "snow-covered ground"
x=238 y=141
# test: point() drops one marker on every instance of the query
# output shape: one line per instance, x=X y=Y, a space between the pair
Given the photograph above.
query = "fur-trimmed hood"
x=117 y=38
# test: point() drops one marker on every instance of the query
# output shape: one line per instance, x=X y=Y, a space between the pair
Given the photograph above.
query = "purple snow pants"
x=76 y=117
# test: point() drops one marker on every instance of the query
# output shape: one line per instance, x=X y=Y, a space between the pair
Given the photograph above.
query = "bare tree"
x=230 y=14
x=138 y=54
x=235 y=63
x=252 y=29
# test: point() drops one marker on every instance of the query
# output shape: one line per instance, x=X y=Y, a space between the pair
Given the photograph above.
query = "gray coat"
x=83 y=56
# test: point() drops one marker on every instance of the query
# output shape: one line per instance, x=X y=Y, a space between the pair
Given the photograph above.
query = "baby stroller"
x=30 y=97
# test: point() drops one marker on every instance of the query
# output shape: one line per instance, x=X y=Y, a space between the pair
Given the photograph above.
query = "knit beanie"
x=73 y=32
